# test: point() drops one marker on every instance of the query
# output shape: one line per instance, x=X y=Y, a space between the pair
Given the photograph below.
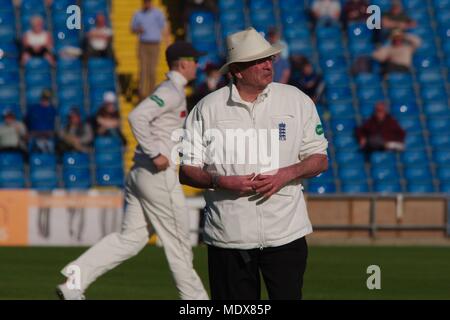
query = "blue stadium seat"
x=8 y=50
x=438 y=124
x=61 y=5
x=227 y=5
x=420 y=187
x=352 y=173
x=338 y=109
x=430 y=77
x=11 y=160
x=324 y=176
x=443 y=173
x=410 y=124
x=385 y=174
x=107 y=144
x=300 y=47
x=337 y=79
x=414 y=141
x=108 y=158
x=401 y=94
x=291 y=5
x=371 y=94
x=294 y=31
x=76 y=160
x=383 y=159
x=233 y=18
x=426 y=61
x=12 y=178
x=339 y=125
x=77 y=178
x=445 y=187
x=94 y=6
x=441 y=157
x=43 y=171
x=103 y=64
x=110 y=176
x=437 y=108
x=441 y=4
x=345 y=141
x=103 y=79
x=38 y=79
x=328 y=33
x=418 y=173
x=9 y=64
x=358 y=31
x=366 y=80
x=335 y=94
x=7 y=27
x=75 y=65
x=366 y=108
x=37 y=64
x=387 y=187
x=399 y=80
x=7 y=77
x=355 y=187
x=69 y=77
x=9 y=94
x=202 y=26
x=337 y=63
x=6 y=6
x=260 y=4
x=433 y=92
x=440 y=141
x=358 y=49
x=321 y=187
x=404 y=109
x=414 y=157
x=344 y=158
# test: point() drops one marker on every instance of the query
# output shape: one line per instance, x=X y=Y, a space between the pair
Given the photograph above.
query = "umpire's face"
x=257 y=73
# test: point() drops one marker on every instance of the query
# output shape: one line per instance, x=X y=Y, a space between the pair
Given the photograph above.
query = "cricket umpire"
x=256 y=218
x=152 y=192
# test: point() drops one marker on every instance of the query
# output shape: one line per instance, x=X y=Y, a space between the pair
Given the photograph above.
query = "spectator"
x=213 y=81
x=41 y=124
x=98 y=42
x=307 y=80
x=76 y=136
x=381 y=132
x=150 y=25
x=326 y=12
x=107 y=119
x=13 y=133
x=397 y=56
x=281 y=65
x=392 y=20
x=354 y=11
x=37 y=42
x=274 y=38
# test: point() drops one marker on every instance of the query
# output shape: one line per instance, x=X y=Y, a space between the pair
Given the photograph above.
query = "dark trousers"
x=235 y=274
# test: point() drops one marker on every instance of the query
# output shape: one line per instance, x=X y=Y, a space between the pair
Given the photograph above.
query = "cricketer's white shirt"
x=283 y=123
x=157 y=118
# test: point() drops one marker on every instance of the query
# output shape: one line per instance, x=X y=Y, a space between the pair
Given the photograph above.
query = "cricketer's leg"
x=163 y=201
x=115 y=248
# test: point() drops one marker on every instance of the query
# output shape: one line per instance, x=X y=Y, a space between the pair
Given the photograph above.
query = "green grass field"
x=334 y=272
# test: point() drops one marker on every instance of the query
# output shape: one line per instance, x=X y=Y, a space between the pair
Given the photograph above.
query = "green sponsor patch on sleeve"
x=160 y=102
x=319 y=129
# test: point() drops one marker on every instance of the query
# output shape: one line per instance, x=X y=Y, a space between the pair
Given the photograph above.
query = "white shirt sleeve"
x=193 y=148
x=313 y=141
x=141 y=118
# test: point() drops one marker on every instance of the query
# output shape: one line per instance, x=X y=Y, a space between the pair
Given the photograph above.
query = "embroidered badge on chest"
x=282 y=131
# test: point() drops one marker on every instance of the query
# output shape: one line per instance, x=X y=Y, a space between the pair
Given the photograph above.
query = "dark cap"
x=181 y=49
x=46 y=94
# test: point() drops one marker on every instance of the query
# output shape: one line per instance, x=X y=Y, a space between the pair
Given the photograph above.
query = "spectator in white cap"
x=107 y=118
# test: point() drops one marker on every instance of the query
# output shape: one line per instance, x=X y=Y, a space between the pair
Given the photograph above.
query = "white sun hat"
x=248 y=45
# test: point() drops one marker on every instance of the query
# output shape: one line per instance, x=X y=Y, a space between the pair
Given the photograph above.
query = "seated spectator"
x=107 y=119
x=213 y=81
x=307 y=80
x=281 y=65
x=397 y=56
x=13 y=133
x=354 y=11
x=41 y=124
x=392 y=20
x=37 y=42
x=76 y=135
x=381 y=132
x=274 y=38
x=326 y=12
x=98 y=41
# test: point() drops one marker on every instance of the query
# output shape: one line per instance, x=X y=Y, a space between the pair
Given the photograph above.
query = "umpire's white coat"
x=151 y=196
x=247 y=222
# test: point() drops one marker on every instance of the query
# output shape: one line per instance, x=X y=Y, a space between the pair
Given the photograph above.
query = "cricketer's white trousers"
x=156 y=197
